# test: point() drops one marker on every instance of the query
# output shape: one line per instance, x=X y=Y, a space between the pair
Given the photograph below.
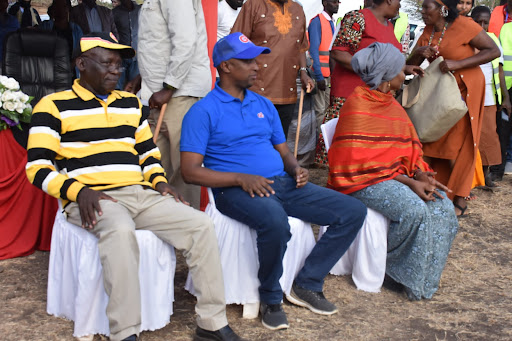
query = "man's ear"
x=224 y=66
x=79 y=62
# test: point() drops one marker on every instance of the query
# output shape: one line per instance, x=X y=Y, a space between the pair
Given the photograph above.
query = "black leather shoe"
x=223 y=334
x=131 y=338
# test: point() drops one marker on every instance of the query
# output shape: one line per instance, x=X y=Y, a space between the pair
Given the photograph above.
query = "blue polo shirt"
x=235 y=136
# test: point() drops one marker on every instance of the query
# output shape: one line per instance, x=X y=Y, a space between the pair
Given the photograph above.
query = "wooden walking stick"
x=159 y=122
x=301 y=102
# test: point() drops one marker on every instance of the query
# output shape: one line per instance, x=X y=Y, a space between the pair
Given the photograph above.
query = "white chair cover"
x=366 y=257
x=239 y=256
x=328 y=130
x=75 y=280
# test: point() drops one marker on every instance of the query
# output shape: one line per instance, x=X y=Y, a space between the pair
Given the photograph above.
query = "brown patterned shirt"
x=283 y=30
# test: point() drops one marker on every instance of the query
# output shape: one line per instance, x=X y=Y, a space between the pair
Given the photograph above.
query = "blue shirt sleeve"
x=195 y=130
x=315 y=36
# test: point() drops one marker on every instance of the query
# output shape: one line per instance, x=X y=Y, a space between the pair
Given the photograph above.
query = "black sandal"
x=462 y=210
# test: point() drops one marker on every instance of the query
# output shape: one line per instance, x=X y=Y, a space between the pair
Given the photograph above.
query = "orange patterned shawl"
x=374 y=141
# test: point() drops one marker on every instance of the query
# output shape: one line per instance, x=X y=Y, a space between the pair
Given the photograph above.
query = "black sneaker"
x=223 y=334
x=313 y=300
x=131 y=338
x=273 y=316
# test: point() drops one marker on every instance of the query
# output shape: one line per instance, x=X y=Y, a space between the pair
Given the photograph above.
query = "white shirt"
x=173 y=48
x=490 y=98
x=226 y=18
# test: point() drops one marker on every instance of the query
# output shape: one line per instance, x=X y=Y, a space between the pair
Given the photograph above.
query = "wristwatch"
x=303 y=69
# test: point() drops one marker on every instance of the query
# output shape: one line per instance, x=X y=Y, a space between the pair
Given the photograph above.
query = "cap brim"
x=89 y=43
x=252 y=52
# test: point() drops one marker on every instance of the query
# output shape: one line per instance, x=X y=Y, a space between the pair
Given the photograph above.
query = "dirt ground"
x=474 y=301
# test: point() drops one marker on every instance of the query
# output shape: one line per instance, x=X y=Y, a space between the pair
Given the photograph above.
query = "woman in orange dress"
x=455 y=38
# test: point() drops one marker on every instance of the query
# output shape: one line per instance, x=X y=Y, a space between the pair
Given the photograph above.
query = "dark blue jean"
x=269 y=217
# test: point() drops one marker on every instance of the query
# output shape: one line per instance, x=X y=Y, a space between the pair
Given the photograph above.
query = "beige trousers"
x=181 y=226
x=321 y=103
x=169 y=144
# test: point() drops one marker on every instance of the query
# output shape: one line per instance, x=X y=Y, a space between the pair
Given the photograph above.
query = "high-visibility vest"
x=401 y=25
x=496 y=69
x=325 y=44
x=506 y=44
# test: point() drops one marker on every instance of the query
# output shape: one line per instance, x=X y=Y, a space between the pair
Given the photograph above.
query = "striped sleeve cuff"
x=73 y=190
x=158 y=179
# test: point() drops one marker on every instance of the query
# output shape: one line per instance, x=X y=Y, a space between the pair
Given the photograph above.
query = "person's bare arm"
x=487 y=52
x=291 y=166
x=342 y=57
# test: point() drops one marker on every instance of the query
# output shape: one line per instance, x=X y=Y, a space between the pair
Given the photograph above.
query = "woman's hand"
x=424 y=190
x=433 y=185
x=424 y=52
x=448 y=65
x=414 y=70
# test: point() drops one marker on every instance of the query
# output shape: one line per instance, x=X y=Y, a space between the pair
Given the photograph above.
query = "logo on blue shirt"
x=260 y=115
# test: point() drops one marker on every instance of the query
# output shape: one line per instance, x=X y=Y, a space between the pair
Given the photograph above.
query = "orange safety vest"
x=497 y=20
x=325 y=43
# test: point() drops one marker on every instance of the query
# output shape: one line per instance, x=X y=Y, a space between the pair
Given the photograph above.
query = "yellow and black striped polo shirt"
x=101 y=144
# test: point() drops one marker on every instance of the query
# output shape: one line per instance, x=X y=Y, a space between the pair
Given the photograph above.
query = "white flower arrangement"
x=14 y=104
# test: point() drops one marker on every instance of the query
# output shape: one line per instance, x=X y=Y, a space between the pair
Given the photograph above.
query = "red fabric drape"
x=210 y=17
x=26 y=212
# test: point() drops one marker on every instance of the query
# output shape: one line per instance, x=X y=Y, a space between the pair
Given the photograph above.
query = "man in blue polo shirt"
x=238 y=136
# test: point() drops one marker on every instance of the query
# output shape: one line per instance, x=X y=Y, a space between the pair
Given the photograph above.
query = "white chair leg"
x=251 y=310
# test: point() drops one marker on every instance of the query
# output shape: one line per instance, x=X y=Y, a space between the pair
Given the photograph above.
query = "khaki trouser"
x=169 y=144
x=321 y=103
x=181 y=226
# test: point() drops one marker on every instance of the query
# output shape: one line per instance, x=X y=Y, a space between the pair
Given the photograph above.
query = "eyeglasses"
x=109 y=66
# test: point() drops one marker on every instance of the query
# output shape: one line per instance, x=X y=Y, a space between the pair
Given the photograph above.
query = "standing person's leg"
x=119 y=256
x=343 y=214
x=286 y=115
x=192 y=232
x=176 y=110
x=504 y=124
x=321 y=103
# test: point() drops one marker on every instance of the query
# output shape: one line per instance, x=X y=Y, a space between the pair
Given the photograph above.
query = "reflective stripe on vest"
x=401 y=25
x=506 y=44
x=496 y=69
x=325 y=43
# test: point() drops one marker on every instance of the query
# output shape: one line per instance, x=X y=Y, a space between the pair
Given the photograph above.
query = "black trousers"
x=286 y=115
x=504 y=128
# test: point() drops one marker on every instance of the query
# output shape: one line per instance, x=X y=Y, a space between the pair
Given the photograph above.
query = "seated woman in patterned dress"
x=376 y=157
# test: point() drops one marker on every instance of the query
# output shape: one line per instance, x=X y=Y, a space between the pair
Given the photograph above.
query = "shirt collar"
x=226 y=98
x=326 y=15
x=86 y=95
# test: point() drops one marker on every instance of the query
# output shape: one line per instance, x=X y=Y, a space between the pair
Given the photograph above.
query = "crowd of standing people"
x=141 y=63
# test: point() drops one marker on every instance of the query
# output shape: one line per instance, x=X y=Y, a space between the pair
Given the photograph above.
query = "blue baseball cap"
x=236 y=45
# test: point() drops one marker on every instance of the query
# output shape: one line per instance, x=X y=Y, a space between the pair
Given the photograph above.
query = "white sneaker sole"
x=305 y=304
x=281 y=326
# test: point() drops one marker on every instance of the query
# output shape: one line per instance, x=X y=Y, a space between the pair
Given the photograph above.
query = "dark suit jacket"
x=77 y=15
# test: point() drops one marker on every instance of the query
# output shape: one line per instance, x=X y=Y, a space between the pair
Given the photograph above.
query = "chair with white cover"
x=239 y=258
x=75 y=280
x=366 y=257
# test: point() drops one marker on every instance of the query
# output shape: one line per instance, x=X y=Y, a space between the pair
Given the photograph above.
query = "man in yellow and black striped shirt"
x=111 y=182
